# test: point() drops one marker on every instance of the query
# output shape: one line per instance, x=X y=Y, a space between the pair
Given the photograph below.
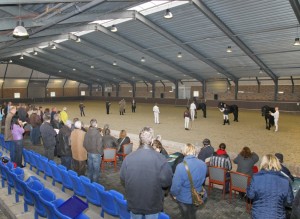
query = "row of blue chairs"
x=111 y=202
x=4 y=144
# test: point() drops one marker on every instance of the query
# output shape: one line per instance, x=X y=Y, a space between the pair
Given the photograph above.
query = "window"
x=82 y=93
x=52 y=94
x=17 y=95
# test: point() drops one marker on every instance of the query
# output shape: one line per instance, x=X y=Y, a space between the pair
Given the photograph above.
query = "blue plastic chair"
x=124 y=213
x=2 y=141
x=56 y=177
x=39 y=209
x=163 y=215
x=47 y=168
x=3 y=167
x=90 y=189
x=35 y=185
x=67 y=182
x=77 y=184
x=32 y=161
x=39 y=165
x=62 y=216
x=49 y=202
x=25 y=156
x=108 y=204
x=19 y=191
x=10 y=177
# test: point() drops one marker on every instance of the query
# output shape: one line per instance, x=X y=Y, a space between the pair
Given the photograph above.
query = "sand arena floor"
x=249 y=131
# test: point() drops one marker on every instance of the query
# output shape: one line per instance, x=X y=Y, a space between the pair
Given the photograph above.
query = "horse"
x=200 y=106
x=234 y=109
x=265 y=111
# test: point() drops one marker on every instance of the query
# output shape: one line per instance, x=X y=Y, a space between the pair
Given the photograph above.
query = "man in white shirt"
x=156 y=114
x=193 y=110
x=276 y=117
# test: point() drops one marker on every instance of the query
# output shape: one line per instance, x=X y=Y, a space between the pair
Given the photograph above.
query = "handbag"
x=198 y=198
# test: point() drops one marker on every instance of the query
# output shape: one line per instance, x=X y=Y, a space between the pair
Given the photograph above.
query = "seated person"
x=159 y=148
x=284 y=169
x=109 y=141
x=206 y=151
x=123 y=139
x=245 y=161
x=221 y=159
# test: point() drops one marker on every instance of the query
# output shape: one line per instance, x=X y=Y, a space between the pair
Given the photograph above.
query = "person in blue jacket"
x=181 y=187
x=270 y=190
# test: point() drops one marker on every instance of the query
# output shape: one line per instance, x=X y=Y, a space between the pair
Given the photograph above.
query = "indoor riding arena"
x=103 y=57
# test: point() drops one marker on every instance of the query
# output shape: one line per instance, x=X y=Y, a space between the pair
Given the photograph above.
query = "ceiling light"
x=59 y=71
x=74 y=69
x=20 y=31
x=143 y=59
x=10 y=61
x=78 y=40
x=114 y=63
x=168 y=14
x=229 y=49
x=297 y=42
x=179 y=55
x=92 y=66
x=261 y=71
x=21 y=57
x=35 y=53
x=113 y=28
x=53 y=47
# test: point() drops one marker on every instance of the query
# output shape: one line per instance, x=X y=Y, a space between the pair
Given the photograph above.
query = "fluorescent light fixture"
x=114 y=63
x=92 y=66
x=143 y=59
x=53 y=47
x=229 y=49
x=241 y=91
x=78 y=40
x=179 y=55
x=10 y=61
x=297 y=42
x=168 y=14
x=35 y=53
x=261 y=71
x=59 y=71
x=281 y=92
x=113 y=28
x=74 y=69
x=21 y=57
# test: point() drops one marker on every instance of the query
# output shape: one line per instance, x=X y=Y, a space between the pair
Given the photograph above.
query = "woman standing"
x=181 y=187
x=245 y=161
x=269 y=190
x=17 y=131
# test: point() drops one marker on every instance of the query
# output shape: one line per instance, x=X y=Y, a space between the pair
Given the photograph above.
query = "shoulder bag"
x=197 y=198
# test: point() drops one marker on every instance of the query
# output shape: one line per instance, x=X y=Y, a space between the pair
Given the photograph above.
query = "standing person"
x=79 y=153
x=22 y=113
x=276 y=117
x=269 y=190
x=133 y=105
x=156 y=113
x=121 y=107
x=81 y=108
x=245 y=161
x=64 y=146
x=193 y=109
x=206 y=151
x=107 y=105
x=181 y=186
x=144 y=191
x=53 y=112
x=94 y=147
x=17 y=131
x=64 y=115
x=35 y=122
x=225 y=112
x=48 y=136
x=7 y=131
x=187 y=117
x=56 y=124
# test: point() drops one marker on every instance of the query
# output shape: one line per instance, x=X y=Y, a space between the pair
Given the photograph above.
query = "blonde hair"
x=270 y=162
x=188 y=149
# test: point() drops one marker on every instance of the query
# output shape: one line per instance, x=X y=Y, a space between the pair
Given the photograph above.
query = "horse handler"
x=187 y=117
x=276 y=117
x=225 y=112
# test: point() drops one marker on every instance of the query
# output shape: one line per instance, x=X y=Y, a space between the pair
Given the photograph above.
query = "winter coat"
x=270 y=191
x=79 y=153
x=48 y=135
x=93 y=141
x=245 y=165
x=64 y=147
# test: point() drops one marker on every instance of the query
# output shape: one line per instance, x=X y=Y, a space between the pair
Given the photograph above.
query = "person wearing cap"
x=64 y=115
x=276 y=117
x=81 y=108
x=64 y=146
x=48 y=136
x=79 y=153
x=206 y=151
x=284 y=169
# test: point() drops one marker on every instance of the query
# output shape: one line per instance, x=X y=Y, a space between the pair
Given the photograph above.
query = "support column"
x=276 y=89
x=258 y=84
x=103 y=89
x=79 y=94
x=236 y=89
x=133 y=85
x=153 y=89
x=203 y=88
x=176 y=89
x=293 y=85
x=91 y=90
x=47 y=86
x=29 y=82
x=117 y=89
x=4 y=80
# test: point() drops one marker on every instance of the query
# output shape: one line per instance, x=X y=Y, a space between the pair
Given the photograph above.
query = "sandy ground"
x=249 y=131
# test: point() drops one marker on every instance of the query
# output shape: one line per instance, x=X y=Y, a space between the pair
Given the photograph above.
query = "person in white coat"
x=156 y=114
x=193 y=110
x=276 y=117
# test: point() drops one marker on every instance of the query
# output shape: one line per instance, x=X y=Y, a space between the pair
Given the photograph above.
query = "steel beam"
x=296 y=7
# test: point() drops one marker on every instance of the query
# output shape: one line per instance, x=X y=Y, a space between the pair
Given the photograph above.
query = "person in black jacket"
x=284 y=169
x=48 y=136
x=145 y=173
x=64 y=146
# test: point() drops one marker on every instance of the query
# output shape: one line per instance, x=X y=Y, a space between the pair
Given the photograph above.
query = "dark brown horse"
x=265 y=111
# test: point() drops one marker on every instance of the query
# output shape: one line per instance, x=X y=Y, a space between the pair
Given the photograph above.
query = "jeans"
x=35 y=135
x=12 y=150
x=188 y=211
x=49 y=152
x=94 y=161
x=18 y=152
x=66 y=161
x=142 y=216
